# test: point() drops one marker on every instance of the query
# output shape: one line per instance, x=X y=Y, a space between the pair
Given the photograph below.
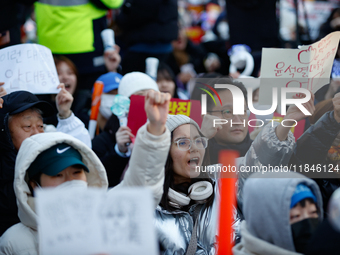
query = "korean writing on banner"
x=28 y=67
x=182 y=108
x=94 y=221
x=308 y=67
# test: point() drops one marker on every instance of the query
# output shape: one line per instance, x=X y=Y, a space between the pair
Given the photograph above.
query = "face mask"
x=302 y=232
x=77 y=184
x=105 y=105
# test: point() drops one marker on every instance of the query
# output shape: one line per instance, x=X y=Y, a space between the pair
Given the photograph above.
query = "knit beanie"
x=136 y=81
x=175 y=121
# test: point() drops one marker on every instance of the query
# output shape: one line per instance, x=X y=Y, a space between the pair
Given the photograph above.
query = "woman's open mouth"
x=194 y=161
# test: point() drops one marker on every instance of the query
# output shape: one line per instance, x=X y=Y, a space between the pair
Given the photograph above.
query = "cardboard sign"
x=93 y=221
x=308 y=67
x=137 y=115
x=297 y=131
x=28 y=67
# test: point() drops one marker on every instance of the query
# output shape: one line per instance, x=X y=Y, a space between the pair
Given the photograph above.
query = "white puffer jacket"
x=145 y=170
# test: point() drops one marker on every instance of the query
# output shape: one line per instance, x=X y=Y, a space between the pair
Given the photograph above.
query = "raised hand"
x=208 y=129
x=294 y=113
x=2 y=93
x=336 y=105
x=157 y=109
x=123 y=138
x=64 y=101
x=334 y=86
x=112 y=59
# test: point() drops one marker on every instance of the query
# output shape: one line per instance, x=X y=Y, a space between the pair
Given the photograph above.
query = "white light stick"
x=108 y=37
x=151 y=67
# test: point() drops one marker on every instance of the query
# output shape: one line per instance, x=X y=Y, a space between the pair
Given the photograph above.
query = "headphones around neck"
x=199 y=192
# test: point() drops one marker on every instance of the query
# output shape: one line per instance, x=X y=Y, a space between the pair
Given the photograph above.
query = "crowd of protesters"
x=285 y=212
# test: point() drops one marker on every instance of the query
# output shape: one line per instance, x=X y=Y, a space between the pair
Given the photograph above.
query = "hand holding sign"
x=112 y=59
x=2 y=93
x=157 y=108
x=293 y=113
x=333 y=88
x=336 y=104
x=64 y=102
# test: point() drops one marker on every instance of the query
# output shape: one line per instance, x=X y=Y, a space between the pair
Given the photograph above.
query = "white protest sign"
x=28 y=67
x=94 y=221
x=308 y=67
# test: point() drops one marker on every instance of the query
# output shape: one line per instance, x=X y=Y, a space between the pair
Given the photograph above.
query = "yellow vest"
x=66 y=27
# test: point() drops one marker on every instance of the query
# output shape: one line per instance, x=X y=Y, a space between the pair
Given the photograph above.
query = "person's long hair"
x=58 y=59
x=165 y=72
x=169 y=182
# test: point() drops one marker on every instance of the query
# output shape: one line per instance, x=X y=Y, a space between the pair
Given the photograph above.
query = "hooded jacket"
x=22 y=238
x=8 y=208
x=312 y=148
x=266 y=229
x=266 y=151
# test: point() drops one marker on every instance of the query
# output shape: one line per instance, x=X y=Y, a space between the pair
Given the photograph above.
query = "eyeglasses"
x=185 y=144
x=228 y=114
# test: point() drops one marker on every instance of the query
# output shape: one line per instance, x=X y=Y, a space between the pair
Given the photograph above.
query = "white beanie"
x=175 y=121
x=136 y=81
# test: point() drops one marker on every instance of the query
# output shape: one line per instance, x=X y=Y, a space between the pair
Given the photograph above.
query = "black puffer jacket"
x=148 y=21
x=8 y=154
x=312 y=148
x=103 y=145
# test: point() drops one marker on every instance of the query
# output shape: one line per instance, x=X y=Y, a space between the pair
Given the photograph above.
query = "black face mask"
x=302 y=232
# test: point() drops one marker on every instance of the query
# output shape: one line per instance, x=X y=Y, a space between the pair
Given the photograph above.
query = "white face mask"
x=78 y=184
x=105 y=105
x=74 y=184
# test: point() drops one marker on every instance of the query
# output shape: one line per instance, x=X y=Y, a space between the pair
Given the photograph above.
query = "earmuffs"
x=199 y=192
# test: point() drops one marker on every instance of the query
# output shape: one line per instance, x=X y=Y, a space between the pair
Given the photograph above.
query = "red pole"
x=228 y=200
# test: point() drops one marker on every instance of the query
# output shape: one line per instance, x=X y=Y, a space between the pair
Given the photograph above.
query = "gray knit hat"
x=175 y=121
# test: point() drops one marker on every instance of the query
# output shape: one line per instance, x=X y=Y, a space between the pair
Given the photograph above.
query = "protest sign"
x=308 y=67
x=137 y=115
x=94 y=221
x=28 y=67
